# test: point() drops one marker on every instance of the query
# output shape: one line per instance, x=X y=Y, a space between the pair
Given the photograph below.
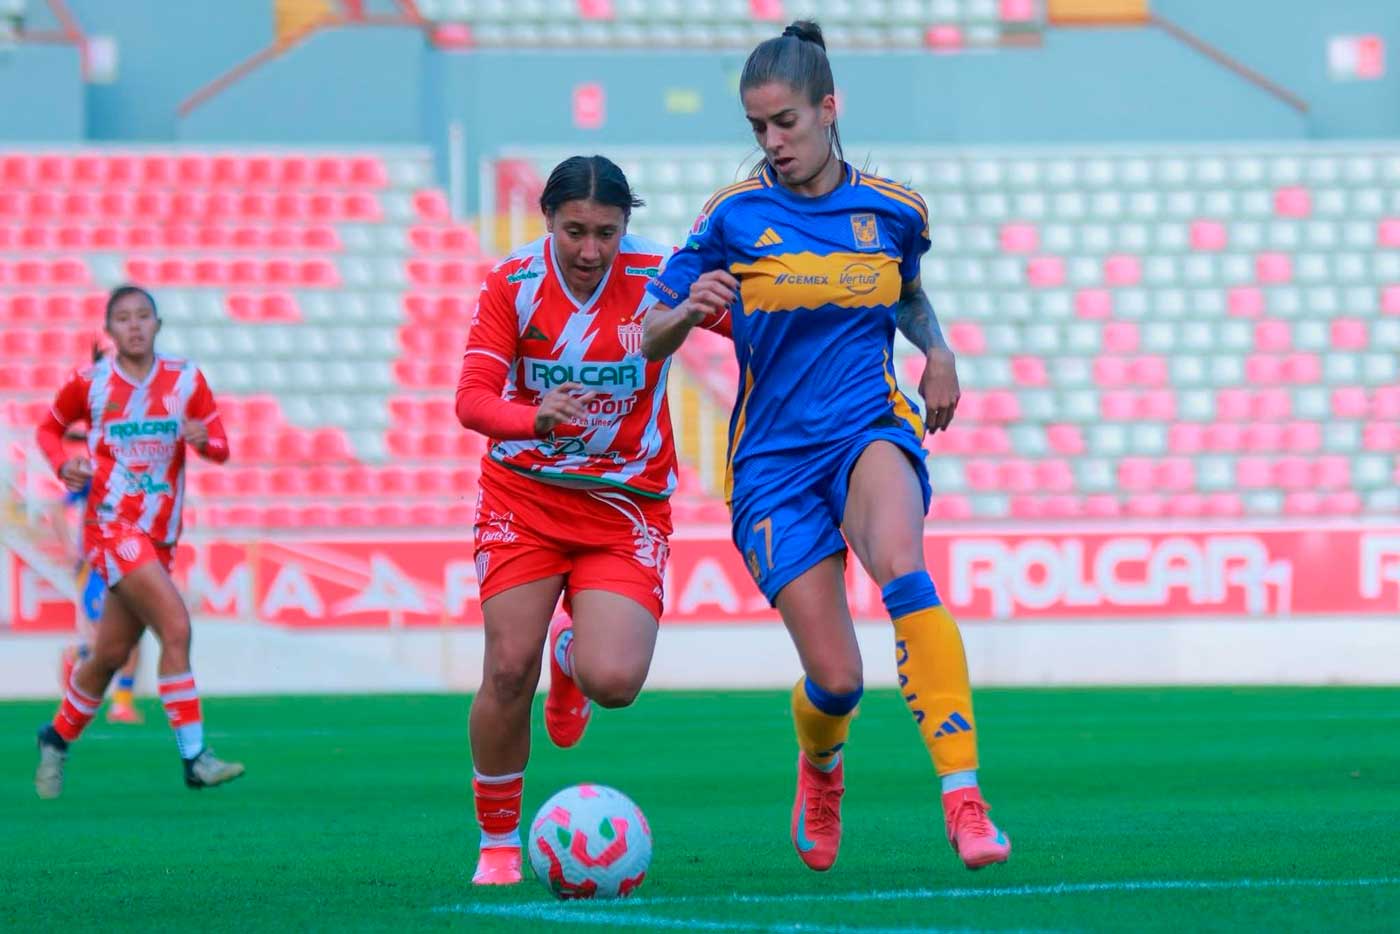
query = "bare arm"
x=915 y=318
x=665 y=328
x=939 y=386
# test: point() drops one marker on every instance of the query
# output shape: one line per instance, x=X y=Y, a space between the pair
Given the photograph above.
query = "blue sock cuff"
x=833 y=705
x=126 y=684
x=909 y=594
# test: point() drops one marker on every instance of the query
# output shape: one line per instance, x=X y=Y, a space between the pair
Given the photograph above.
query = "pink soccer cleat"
x=974 y=837
x=124 y=713
x=816 y=814
x=566 y=710
x=498 y=865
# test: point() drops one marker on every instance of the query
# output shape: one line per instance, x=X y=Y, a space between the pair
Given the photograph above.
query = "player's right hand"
x=560 y=405
x=75 y=473
x=712 y=292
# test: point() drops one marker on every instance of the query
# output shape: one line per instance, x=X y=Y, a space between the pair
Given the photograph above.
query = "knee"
x=109 y=658
x=511 y=680
x=838 y=681
x=895 y=563
x=612 y=685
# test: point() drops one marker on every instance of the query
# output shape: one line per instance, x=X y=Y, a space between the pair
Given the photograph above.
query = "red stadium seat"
x=355 y=516
x=287 y=481
x=430 y=204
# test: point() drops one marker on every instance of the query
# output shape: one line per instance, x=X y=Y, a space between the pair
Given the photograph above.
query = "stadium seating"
x=942 y=25
x=1161 y=331
x=326 y=296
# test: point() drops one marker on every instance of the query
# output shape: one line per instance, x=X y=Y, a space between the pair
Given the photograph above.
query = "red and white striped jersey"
x=135 y=440
x=529 y=321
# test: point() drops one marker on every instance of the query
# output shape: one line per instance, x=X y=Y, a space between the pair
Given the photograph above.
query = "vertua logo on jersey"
x=860 y=278
x=865 y=231
x=630 y=337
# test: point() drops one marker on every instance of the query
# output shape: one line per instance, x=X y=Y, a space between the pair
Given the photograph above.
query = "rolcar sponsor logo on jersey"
x=860 y=278
x=151 y=428
x=543 y=375
x=788 y=278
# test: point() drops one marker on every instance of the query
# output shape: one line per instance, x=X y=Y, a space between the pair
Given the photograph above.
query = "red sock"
x=181 y=700
x=498 y=808
x=75 y=713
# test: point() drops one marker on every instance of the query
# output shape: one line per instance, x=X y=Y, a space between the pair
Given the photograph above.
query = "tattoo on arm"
x=915 y=319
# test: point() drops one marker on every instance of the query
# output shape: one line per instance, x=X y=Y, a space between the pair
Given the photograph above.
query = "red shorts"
x=601 y=538
x=115 y=549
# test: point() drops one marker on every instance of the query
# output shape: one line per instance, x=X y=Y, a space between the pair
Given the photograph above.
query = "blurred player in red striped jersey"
x=143 y=409
x=574 y=485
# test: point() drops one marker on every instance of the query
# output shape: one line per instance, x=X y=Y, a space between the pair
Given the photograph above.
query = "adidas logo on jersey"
x=770 y=238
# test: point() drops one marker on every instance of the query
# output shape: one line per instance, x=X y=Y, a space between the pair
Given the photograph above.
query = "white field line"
x=1012 y=891
x=635 y=912
x=598 y=915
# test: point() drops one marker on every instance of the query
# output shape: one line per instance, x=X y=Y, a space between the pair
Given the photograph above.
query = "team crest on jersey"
x=172 y=402
x=866 y=232
x=483 y=564
x=129 y=550
x=630 y=337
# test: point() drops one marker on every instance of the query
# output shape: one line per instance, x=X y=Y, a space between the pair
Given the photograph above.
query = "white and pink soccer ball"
x=590 y=841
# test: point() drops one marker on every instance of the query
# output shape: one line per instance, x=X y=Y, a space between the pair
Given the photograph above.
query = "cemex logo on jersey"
x=544 y=375
x=788 y=278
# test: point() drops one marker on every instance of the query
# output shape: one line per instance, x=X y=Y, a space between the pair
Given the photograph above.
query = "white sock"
x=955 y=781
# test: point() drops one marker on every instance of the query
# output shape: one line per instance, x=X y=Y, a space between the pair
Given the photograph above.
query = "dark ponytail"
x=584 y=178
x=798 y=59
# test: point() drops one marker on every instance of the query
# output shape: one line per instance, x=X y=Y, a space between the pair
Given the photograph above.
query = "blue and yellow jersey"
x=814 y=324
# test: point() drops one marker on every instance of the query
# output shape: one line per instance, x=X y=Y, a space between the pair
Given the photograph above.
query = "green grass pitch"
x=1130 y=810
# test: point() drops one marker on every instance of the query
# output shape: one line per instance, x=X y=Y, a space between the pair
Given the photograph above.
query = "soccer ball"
x=590 y=841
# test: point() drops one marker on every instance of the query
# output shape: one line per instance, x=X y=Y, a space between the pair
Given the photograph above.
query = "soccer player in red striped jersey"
x=143 y=409
x=574 y=485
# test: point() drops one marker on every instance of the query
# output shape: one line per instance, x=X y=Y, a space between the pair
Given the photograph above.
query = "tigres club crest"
x=630 y=337
x=866 y=232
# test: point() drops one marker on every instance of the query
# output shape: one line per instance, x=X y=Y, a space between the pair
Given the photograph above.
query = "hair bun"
x=807 y=31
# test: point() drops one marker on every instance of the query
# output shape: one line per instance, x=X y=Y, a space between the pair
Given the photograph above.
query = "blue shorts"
x=93 y=591
x=788 y=517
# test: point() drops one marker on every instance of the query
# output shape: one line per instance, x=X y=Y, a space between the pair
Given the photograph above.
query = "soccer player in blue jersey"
x=819 y=263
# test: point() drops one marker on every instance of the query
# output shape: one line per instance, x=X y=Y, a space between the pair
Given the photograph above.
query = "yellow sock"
x=122 y=696
x=932 y=669
x=823 y=721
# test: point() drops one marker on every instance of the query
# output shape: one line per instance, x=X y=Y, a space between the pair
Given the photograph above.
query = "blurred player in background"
x=574 y=485
x=92 y=591
x=821 y=262
x=142 y=409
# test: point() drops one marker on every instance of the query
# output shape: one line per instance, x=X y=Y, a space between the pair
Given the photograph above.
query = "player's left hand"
x=940 y=389
x=196 y=433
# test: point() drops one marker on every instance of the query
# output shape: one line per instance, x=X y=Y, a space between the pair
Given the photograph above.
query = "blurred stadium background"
x=1166 y=249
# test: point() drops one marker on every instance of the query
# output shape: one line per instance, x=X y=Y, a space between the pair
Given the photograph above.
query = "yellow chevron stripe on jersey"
x=741 y=405
x=902 y=409
x=794 y=281
x=768 y=238
x=724 y=194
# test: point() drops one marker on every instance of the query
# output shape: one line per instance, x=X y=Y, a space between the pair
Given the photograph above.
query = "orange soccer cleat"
x=976 y=840
x=816 y=814
x=498 y=865
x=566 y=710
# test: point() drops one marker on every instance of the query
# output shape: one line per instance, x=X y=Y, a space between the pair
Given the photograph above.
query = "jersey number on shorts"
x=764 y=526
